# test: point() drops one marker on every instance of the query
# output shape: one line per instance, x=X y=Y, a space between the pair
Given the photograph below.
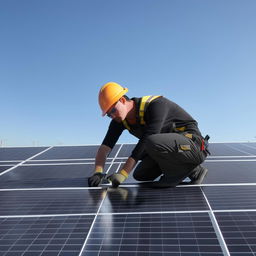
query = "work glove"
x=117 y=178
x=96 y=179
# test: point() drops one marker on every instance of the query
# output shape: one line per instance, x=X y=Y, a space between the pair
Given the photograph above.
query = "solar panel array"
x=48 y=209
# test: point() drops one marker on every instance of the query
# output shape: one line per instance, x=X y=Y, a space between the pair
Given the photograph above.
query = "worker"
x=170 y=144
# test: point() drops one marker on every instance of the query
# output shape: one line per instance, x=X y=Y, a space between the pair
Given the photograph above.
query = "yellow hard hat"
x=109 y=94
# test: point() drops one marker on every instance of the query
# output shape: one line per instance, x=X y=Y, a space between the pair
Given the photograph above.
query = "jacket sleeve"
x=114 y=131
x=155 y=116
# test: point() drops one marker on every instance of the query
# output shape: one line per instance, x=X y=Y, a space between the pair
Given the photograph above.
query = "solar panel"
x=44 y=235
x=153 y=234
x=73 y=152
x=231 y=197
x=47 y=176
x=48 y=209
x=19 y=153
x=3 y=168
x=61 y=201
x=124 y=200
x=231 y=149
x=125 y=150
x=239 y=231
x=231 y=171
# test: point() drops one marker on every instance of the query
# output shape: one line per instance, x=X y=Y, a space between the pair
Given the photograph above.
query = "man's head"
x=112 y=100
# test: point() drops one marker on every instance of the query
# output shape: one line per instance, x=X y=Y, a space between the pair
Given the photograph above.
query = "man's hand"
x=96 y=179
x=118 y=178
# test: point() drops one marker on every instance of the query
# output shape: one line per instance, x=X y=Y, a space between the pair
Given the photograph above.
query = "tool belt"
x=199 y=140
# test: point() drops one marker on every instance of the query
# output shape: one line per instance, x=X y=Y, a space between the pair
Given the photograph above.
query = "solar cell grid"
x=153 y=234
x=124 y=200
x=43 y=236
x=239 y=231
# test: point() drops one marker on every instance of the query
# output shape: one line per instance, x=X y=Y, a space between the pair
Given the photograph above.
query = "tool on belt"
x=202 y=142
x=205 y=144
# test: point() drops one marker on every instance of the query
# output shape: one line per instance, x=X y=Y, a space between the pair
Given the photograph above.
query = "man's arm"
x=100 y=161
x=101 y=157
x=129 y=165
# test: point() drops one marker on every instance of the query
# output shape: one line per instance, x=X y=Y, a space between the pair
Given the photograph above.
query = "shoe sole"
x=200 y=179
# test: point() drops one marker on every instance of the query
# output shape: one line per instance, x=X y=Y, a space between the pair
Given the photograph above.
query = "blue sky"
x=55 y=55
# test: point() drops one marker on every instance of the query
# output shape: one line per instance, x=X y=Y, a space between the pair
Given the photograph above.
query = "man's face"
x=118 y=111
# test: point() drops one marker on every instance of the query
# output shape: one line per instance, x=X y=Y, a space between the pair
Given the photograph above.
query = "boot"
x=198 y=175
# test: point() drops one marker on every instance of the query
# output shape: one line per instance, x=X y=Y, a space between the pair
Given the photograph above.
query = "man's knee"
x=137 y=176
x=161 y=143
x=142 y=177
x=147 y=174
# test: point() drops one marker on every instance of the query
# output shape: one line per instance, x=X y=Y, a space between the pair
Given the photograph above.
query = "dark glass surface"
x=19 y=153
x=49 y=176
x=227 y=149
x=44 y=235
x=247 y=147
x=45 y=183
x=3 y=168
x=113 y=169
x=50 y=202
x=73 y=152
x=239 y=231
x=231 y=197
x=153 y=234
x=137 y=199
x=230 y=172
x=9 y=162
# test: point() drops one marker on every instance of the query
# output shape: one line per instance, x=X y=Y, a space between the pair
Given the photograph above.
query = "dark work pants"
x=167 y=155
